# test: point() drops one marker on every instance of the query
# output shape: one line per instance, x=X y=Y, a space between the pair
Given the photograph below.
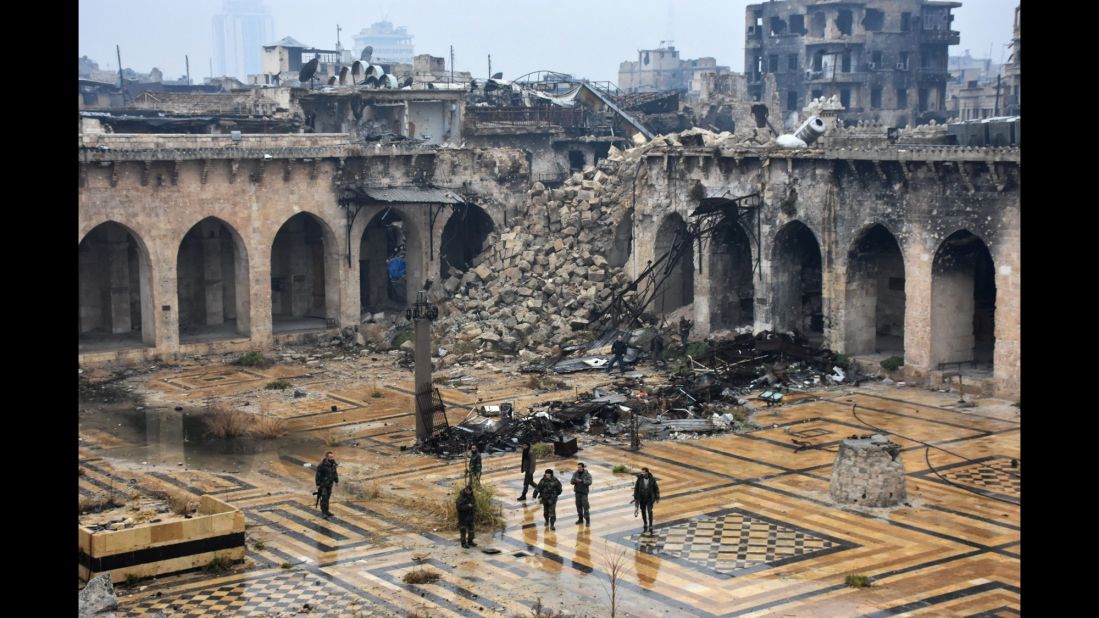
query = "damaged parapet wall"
x=868 y=472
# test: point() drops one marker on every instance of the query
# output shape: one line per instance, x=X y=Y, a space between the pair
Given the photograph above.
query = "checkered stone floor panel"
x=267 y=596
x=736 y=542
x=992 y=476
x=996 y=475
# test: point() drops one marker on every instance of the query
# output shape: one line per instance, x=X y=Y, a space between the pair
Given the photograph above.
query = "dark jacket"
x=528 y=461
x=619 y=348
x=475 y=463
x=549 y=489
x=656 y=346
x=326 y=473
x=643 y=494
x=467 y=509
x=581 y=481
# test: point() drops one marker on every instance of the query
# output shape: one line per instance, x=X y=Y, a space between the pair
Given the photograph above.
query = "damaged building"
x=885 y=60
x=526 y=207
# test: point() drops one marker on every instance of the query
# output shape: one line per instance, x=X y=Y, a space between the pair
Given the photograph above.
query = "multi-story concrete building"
x=239 y=33
x=389 y=43
x=886 y=60
x=662 y=69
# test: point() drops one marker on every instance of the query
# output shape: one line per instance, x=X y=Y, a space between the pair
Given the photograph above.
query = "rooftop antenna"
x=451 y=65
x=671 y=24
x=121 y=83
x=338 y=37
x=187 y=60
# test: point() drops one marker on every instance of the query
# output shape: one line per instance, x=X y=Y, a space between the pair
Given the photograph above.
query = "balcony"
x=940 y=37
x=932 y=76
x=835 y=77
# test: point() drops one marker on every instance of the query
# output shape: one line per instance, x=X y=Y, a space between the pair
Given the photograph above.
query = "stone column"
x=704 y=303
x=917 y=311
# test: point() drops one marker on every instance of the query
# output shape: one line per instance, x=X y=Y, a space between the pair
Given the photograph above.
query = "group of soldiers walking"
x=547 y=490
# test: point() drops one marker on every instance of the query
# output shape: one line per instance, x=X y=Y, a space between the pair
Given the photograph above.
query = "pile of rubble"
x=539 y=282
x=705 y=393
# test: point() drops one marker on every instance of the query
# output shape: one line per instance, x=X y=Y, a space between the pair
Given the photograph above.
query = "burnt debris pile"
x=712 y=386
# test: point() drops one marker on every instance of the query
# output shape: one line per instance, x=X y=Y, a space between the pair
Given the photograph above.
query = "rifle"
x=317 y=502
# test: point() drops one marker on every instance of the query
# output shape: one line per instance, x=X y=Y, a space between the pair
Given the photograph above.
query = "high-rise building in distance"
x=240 y=33
x=389 y=43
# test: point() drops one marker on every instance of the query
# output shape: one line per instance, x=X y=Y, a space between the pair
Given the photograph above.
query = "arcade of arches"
x=677 y=289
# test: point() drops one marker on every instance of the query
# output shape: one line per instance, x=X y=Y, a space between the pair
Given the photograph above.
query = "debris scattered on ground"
x=707 y=391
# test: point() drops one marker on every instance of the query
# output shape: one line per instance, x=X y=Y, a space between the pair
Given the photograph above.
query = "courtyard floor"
x=745 y=527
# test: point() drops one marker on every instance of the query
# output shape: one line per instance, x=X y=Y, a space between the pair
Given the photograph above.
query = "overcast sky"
x=587 y=38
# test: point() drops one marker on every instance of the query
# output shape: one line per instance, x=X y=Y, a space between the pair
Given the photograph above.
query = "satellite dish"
x=430 y=86
x=343 y=75
x=497 y=76
x=371 y=81
x=356 y=71
x=332 y=80
x=374 y=70
x=389 y=81
x=407 y=82
x=368 y=53
x=309 y=70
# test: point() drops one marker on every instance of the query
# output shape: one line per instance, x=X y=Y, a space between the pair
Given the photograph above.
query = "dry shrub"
x=268 y=427
x=358 y=489
x=331 y=438
x=374 y=334
x=227 y=423
x=541 y=450
x=181 y=503
x=99 y=502
x=420 y=576
x=489 y=514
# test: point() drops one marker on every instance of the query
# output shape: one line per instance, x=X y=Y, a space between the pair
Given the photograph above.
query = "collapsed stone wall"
x=538 y=281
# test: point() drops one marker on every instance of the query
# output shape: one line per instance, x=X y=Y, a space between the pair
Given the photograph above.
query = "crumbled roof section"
x=287 y=41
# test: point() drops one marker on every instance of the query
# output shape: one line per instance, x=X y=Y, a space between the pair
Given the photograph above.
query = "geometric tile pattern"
x=988 y=476
x=735 y=542
x=297 y=408
x=217 y=377
x=811 y=433
x=267 y=596
x=995 y=475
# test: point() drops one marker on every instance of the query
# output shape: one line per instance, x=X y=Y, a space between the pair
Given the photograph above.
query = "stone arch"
x=963 y=301
x=622 y=246
x=115 y=289
x=796 y=281
x=390 y=245
x=463 y=238
x=677 y=289
x=874 y=299
x=731 y=284
x=304 y=274
x=212 y=283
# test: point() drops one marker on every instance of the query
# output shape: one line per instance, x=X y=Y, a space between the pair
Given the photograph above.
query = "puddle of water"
x=169 y=437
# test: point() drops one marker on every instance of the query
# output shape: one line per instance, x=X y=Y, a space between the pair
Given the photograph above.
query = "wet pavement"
x=745 y=526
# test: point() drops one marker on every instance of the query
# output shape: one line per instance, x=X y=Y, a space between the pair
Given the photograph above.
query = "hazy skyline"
x=586 y=39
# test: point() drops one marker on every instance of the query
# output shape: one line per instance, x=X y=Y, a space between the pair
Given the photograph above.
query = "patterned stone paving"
x=745 y=526
x=735 y=542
